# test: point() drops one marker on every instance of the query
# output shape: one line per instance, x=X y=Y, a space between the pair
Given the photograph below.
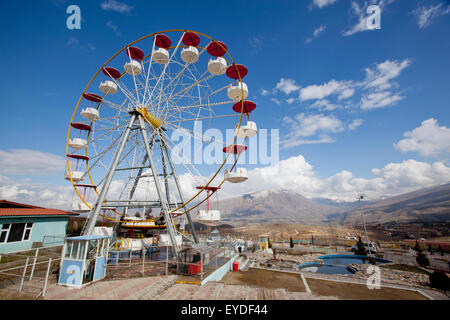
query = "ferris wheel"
x=123 y=143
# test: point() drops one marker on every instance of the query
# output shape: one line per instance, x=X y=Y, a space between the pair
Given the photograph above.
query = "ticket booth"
x=83 y=260
x=264 y=242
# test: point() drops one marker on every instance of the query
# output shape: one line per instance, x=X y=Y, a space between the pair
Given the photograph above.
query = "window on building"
x=13 y=232
x=4 y=232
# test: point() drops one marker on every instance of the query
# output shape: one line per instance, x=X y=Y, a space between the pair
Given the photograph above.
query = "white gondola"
x=164 y=240
x=235 y=92
x=76 y=176
x=217 y=66
x=133 y=67
x=240 y=175
x=80 y=206
x=160 y=56
x=208 y=216
x=248 y=130
x=189 y=55
x=77 y=143
x=91 y=114
x=108 y=87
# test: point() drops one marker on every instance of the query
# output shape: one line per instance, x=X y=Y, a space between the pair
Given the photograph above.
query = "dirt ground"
x=266 y=279
x=11 y=295
x=349 y=291
x=285 y=231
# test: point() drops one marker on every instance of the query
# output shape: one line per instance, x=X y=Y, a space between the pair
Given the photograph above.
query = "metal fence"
x=152 y=260
x=29 y=272
x=201 y=263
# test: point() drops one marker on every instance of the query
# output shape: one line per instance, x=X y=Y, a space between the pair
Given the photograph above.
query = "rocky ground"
x=282 y=260
x=400 y=277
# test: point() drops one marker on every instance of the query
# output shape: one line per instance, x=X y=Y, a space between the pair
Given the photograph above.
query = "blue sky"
x=342 y=97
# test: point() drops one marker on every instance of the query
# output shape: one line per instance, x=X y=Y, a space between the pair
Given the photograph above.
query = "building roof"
x=15 y=209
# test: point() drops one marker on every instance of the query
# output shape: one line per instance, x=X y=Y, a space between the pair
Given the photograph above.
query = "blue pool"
x=336 y=264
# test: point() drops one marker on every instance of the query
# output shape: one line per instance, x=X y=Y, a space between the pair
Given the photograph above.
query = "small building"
x=23 y=226
x=263 y=242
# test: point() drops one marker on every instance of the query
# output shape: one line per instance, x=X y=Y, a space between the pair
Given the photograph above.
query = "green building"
x=23 y=227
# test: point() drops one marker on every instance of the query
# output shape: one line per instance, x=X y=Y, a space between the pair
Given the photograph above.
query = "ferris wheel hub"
x=150 y=118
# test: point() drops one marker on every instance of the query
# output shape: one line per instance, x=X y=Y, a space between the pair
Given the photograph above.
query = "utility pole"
x=360 y=197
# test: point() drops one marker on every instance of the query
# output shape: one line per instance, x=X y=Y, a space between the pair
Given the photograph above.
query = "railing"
x=148 y=261
x=29 y=273
x=210 y=261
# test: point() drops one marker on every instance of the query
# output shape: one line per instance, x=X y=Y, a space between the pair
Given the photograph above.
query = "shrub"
x=422 y=259
x=360 y=249
x=418 y=247
x=440 y=280
x=372 y=260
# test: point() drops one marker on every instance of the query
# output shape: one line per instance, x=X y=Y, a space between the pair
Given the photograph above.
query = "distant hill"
x=427 y=205
x=274 y=206
x=430 y=204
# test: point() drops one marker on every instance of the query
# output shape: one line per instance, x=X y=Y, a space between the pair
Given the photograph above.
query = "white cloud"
x=411 y=174
x=40 y=194
x=287 y=86
x=73 y=42
x=113 y=27
x=325 y=105
x=316 y=33
x=322 y=3
x=426 y=14
x=305 y=126
x=379 y=100
x=355 y=124
x=114 y=5
x=297 y=175
x=379 y=78
x=256 y=41
x=30 y=162
x=314 y=92
x=264 y=92
x=290 y=100
x=429 y=139
x=276 y=101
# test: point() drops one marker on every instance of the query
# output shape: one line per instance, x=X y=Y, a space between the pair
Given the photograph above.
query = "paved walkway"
x=126 y=289
x=162 y=288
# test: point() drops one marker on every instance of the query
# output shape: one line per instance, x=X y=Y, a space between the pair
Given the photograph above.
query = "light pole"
x=360 y=197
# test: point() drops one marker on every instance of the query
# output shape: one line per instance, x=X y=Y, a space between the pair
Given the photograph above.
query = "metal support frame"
x=188 y=214
x=93 y=219
x=164 y=206
x=137 y=123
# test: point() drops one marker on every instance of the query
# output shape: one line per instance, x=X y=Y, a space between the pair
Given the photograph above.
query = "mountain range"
x=429 y=204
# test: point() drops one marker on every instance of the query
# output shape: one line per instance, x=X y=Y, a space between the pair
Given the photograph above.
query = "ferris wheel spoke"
x=148 y=71
x=208 y=96
x=204 y=118
x=146 y=102
x=199 y=136
x=201 y=106
x=178 y=77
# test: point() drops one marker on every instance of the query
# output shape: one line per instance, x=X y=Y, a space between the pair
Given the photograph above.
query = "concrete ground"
x=259 y=284
x=235 y=287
